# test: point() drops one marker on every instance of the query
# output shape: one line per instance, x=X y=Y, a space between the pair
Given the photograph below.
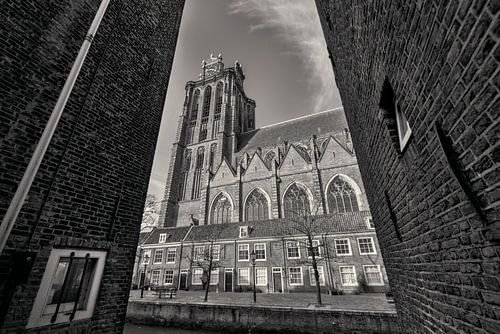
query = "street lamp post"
x=252 y=257
x=146 y=261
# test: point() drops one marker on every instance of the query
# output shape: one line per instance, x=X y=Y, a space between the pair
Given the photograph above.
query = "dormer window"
x=163 y=237
x=243 y=231
x=369 y=223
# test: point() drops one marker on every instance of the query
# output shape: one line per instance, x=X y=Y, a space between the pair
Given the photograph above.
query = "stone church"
x=223 y=169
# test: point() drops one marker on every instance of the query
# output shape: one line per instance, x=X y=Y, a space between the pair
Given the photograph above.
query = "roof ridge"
x=297 y=118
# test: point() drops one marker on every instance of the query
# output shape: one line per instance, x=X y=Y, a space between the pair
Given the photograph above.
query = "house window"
x=69 y=287
x=243 y=231
x=199 y=253
x=146 y=257
x=163 y=237
x=197 y=276
x=373 y=276
x=343 y=247
x=260 y=252
x=256 y=206
x=171 y=252
x=348 y=276
x=295 y=274
x=155 y=277
x=404 y=130
x=296 y=202
x=215 y=252
x=315 y=249
x=168 y=277
x=221 y=210
x=158 y=256
x=261 y=276
x=341 y=197
x=366 y=246
x=243 y=252
x=292 y=250
x=369 y=223
x=244 y=276
x=312 y=278
x=214 y=277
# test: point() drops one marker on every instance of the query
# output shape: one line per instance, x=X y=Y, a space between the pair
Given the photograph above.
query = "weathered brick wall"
x=91 y=186
x=442 y=61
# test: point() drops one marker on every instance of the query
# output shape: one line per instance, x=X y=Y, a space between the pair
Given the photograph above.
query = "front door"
x=228 y=280
x=277 y=280
x=183 y=281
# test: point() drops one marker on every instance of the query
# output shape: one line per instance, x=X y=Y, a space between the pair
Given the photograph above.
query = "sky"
x=281 y=47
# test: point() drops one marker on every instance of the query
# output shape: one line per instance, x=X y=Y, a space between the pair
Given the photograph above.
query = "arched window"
x=186 y=164
x=207 y=97
x=200 y=155
x=256 y=206
x=296 y=202
x=212 y=156
x=269 y=158
x=221 y=210
x=218 y=110
x=194 y=116
x=341 y=197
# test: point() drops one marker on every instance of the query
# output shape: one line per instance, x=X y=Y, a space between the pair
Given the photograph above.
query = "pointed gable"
x=294 y=161
x=224 y=174
x=334 y=154
x=256 y=168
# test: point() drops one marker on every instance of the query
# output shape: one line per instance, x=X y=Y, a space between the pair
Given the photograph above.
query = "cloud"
x=296 y=23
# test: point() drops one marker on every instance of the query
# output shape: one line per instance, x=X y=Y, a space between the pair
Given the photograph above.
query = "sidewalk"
x=362 y=302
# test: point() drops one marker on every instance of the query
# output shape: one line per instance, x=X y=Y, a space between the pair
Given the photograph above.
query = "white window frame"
x=148 y=253
x=214 y=273
x=298 y=250
x=290 y=276
x=154 y=256
x=255 y=250
x=163 y=238
x=355 y=277
x=379 y=273
x=373 y=246
x=403 y=137
x=159 y=276
x=39 y=316
x=216 y=253
x=312 y=280
x=196 y=281
x=171 y=250
x=369 y=223
x=247 y=246
x=319 y=249
x=265 y=276
x=197 y=255
x=243 y=231
x=165 y=277
x=348 y=245
x=239 y=275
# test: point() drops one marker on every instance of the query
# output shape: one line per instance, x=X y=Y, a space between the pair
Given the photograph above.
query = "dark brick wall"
x=90 y=189
x=442 y=60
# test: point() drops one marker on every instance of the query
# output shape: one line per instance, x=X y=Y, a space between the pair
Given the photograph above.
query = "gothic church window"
x=212 y=157
x=218 y=110
x=221 y=210
x=296 y=202
x=207 y=97
x=341 y=197
x=194 y=117
x=197 y=173
x=256 y=206
x=186 y=165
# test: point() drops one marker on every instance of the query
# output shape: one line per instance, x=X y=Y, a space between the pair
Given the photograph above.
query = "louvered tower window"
x=212 y=157
x=218 y=110
x=194 y=117
x=186 y=165
x=206 y=112
x=341 y=197
x=296 y=202
x=200 y=155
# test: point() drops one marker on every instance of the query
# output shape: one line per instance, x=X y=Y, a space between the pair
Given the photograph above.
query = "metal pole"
x=254 y=293
x=36 y=159
x=143 y=281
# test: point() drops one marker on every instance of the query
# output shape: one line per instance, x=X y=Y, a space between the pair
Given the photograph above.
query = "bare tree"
x=150 y=213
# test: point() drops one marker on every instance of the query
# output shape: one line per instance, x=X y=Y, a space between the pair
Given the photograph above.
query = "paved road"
x=141 y=329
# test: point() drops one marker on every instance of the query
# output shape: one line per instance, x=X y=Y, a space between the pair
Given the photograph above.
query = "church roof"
x=294 y=130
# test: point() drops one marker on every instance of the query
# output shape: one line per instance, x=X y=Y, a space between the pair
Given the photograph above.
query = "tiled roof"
x=300 y=129
x=174 y=234
x=336 y=223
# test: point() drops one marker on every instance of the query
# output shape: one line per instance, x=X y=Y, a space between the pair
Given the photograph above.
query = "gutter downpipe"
x=24 y=185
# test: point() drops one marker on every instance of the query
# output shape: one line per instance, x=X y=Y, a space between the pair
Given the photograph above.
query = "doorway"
x=228 y=280
x=183 y=280
x=277 y=280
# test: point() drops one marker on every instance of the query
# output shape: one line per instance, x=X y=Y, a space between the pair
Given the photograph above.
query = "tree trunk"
x=315 y=268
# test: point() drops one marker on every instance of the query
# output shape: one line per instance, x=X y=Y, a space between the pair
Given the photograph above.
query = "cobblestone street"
x=362 y=302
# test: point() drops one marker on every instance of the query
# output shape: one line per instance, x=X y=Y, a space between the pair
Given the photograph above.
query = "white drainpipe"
x=29 y=175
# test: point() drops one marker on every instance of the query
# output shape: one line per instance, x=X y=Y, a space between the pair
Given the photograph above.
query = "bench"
x=165 y=291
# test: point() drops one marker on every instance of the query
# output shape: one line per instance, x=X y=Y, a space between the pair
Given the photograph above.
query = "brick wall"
x=436 y=206
x=91 y=186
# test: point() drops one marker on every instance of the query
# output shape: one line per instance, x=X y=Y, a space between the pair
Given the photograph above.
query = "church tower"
x=216 y=111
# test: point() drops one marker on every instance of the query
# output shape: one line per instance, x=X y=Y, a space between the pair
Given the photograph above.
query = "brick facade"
x=436 y=204
x=90 y=189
